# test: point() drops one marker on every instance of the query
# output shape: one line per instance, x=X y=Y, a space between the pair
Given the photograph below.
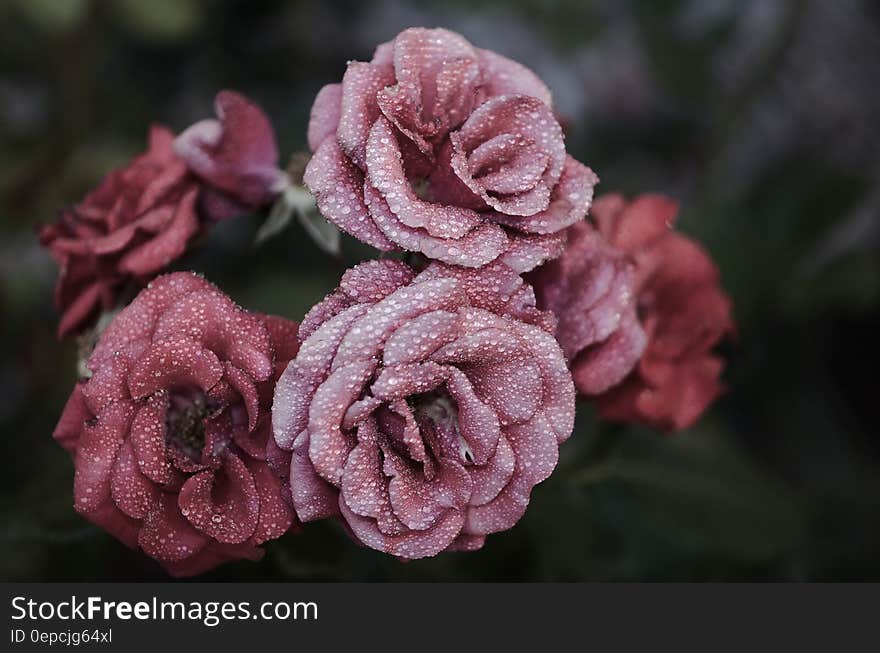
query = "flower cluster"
x=420 y=402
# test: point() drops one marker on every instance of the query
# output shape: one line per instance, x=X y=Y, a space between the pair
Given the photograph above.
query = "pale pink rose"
x=439 y=147
x=421 y=410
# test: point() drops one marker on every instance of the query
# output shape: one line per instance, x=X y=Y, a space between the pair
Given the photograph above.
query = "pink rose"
x=235 y=156
x=683 y=311
x=422 y=409
x=590 y=290
x=169 y=434
x=128 y=229
x=438 y=147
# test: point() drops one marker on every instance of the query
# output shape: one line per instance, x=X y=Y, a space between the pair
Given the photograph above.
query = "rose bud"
x=439 y=147
x=139 y=219
x=422 y=410
x=235 y=156
x=169 y=434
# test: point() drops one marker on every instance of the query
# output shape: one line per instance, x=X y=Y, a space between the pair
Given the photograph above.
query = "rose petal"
x=386 y=174
x=95 y=455
x=298 y=382
x=359 y=110
x=491 y=478
x=325 y=114
x=506 y=77
x=132 y=492
x=236 y=153
x=338 y=189
x=224 y=504
x=328 y=446
x=148 y=439
x=167 y=536
x=534 y=448
x=366 y=336
x=137 y=320
x=410 y=544
x=169 y=244
x=276 y=517
x=559 y=398
x=479 y=247
x=605 y=365
x=72 y=421
x=477 y=423
x=313 y=497
x=174 y=363
x=408 y=379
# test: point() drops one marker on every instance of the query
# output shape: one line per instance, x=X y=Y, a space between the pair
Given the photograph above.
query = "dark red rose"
x=144 y=215
x=235 y=156
x=128 y=229
x=169 y=434
x=682 y=309
x=421 y=410
x=439 y=147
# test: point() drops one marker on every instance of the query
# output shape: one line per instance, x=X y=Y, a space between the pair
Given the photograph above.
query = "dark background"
x=761 y=116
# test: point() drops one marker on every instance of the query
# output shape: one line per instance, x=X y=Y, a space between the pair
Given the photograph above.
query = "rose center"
x=438 y=412
x=185 y=422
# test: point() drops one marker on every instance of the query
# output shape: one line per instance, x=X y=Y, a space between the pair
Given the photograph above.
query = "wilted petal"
x=168 y=245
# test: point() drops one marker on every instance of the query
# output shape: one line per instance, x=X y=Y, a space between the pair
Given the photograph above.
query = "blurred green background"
x=761 y=116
